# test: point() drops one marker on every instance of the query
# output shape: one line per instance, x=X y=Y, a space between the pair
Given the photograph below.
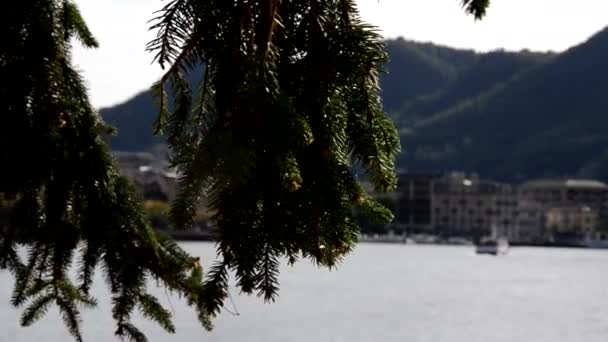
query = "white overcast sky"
x=120 y=67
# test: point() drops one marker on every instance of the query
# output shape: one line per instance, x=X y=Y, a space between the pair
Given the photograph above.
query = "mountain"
x=134 y=120
x=413 y=69
x=489 y=70
x=505 y=115
x=547 y=121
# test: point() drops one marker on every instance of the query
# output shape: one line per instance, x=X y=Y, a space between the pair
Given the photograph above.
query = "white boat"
x=496 y=244
x=492 y=246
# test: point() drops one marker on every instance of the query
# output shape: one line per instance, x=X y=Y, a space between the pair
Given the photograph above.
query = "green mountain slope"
x=504 y=115
x=414 y=69
x=548 y=121
x=134 y=120
x=488 y=71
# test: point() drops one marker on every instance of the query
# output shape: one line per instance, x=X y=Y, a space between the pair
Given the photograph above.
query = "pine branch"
x=197 y=173
x=71 y=317
x=8 y=256
x=267 y=278
x=129 y=332
x=203 y=107
x=75 y=196
x=160 y=94
x=215 y=291
x=124 y=303
x=73 y=294
x=179 y=118
x=173 y=28
x=88 y=261
x=23 y=278
x=37 y=287
x=152 y=309
x=477 y=8
x=288 y=105
x=376 y=211
x=75 y=25
x=36 y=309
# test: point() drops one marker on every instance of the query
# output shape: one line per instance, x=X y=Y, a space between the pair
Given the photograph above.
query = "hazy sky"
x=120 y=67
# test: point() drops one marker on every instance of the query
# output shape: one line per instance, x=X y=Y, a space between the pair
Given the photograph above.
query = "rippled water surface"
x=389 y=293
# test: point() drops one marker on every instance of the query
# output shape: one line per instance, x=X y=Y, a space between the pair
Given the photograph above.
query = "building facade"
x=530 y=224
x=151 y=176
x=413 y=203
x=580 y=220
x=537 y=212
x=566 y=192
x=570 y=208
x=468 y=206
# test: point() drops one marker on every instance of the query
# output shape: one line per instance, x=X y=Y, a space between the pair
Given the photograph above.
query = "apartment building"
x=151 y=176
x=580 y=220
x=413 y=205
x=539 y=211
x=530 y=224
x=469 y=206
x=570 y=208
x=566 y=192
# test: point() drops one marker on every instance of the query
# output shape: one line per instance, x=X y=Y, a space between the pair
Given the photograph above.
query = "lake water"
x=389 y=293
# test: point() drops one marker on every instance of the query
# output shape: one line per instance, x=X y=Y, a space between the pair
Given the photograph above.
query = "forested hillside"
x=507 y=115
x=549 y=120
x=414 y=69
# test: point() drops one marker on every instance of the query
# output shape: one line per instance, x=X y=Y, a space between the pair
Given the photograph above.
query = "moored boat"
x=492 y=246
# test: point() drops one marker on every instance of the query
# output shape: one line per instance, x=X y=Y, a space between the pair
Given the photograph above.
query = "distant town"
x=451 y=207
x=460 y=207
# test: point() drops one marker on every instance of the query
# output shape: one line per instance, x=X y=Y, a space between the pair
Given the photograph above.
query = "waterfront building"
x=413 y=202
x=469 y=206
x=577 y=221
x=566 y=192
x=530 y=224
x=537 y=212
x=570 y=208
x=151 y=176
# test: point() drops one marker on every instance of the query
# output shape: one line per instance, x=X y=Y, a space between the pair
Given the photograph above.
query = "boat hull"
x=493 y=248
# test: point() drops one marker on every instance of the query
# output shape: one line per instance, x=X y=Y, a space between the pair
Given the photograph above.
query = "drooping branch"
x=74 y=197
x=477 y=8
